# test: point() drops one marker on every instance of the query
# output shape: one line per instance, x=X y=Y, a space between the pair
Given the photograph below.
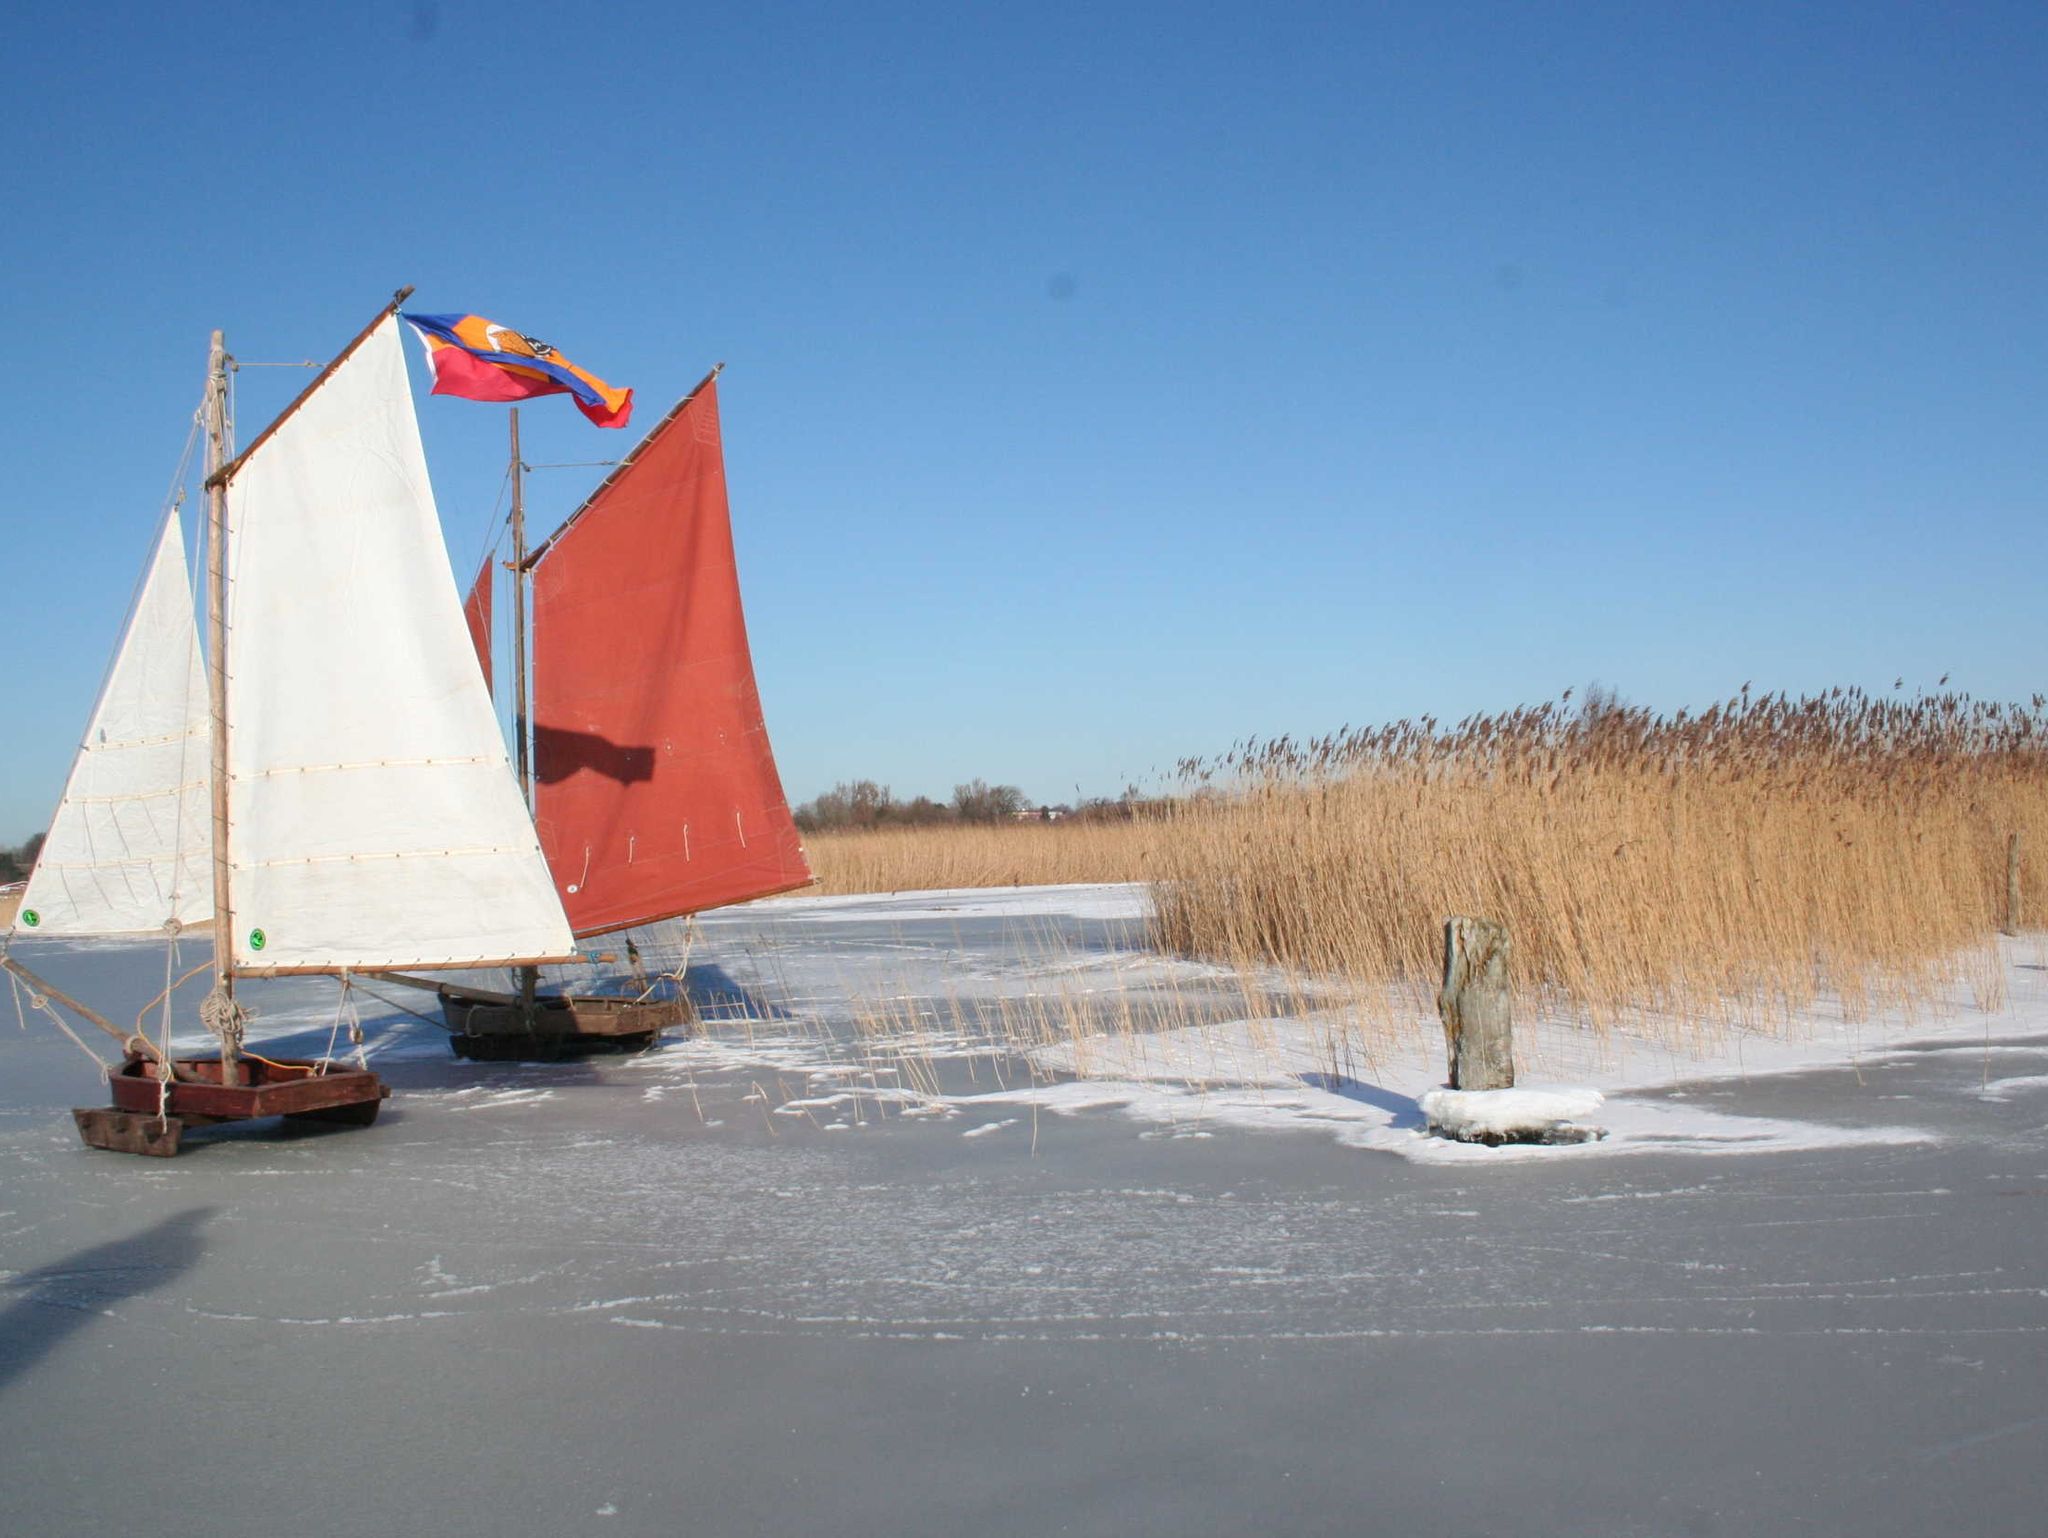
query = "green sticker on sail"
x=258 y=939
x=30 y=917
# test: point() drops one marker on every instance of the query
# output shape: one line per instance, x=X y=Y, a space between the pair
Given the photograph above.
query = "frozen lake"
x=777 y=1281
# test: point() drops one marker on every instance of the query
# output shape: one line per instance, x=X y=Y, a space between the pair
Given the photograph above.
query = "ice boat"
x=641 y=741
x=325 y=788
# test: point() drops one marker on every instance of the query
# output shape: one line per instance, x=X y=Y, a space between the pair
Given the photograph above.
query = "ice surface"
x=972 y=1004
x=629 y=1288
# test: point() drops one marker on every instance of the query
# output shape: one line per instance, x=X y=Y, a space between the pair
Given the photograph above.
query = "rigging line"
x=237 y=363
x=170 y=987
x=187 y=744
x=402 y=1008
x=37 y=1001
x=163 y=1063
x=176 y=494
x=165 y=1072
x=575 y=464
x=494 y=526
x=344 y=1004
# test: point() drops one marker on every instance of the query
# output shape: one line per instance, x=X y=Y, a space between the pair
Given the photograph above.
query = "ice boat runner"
x=329 y=793
x=643 y=747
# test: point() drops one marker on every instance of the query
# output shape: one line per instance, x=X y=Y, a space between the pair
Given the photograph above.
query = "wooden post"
x=2012 y=884
x=1477 y=1012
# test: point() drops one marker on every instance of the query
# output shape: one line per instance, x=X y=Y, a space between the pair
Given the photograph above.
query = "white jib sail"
x=373 y=817
x=130 y=849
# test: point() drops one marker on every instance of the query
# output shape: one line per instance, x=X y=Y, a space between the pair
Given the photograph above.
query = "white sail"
x=373 y=817
x=129 y=850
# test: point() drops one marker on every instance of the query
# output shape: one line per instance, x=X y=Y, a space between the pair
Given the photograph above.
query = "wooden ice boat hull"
x=491 y=1028
x=145 y=1120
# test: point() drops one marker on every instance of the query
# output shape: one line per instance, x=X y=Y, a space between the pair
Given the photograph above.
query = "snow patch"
x=1514 y=1115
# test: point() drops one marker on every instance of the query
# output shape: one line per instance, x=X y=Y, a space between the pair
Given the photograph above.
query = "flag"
x=481 y=360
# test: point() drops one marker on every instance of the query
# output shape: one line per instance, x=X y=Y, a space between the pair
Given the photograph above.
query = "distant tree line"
x=860 y=804
x=865 y=804
x=15 y=864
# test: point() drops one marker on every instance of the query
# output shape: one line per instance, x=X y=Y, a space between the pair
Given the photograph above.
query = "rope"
x=38 y=1001
x=164 y=1071
x=345 y=1004
x=225 y=1018
x=171 y=986
x=676 y=974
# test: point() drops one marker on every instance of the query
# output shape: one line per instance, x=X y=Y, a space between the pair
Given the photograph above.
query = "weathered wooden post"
x=1477 y=1012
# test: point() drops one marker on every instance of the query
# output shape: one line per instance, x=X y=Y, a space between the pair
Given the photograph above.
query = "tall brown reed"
x=980 y=855
x=1739 y=862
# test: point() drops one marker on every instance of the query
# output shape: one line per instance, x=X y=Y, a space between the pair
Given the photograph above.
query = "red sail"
x=476 y=609
x=656 y=791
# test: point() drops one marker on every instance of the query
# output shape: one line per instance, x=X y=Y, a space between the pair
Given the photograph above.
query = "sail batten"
x=656 y=790
x=373 y=817
x=128 y=849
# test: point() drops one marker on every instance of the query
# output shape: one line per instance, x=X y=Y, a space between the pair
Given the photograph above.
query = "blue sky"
x=1106 y=383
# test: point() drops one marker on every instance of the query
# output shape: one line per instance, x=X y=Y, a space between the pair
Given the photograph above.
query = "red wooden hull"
x=149 y=1118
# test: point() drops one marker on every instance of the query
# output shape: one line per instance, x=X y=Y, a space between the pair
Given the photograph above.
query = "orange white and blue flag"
x=481 y=360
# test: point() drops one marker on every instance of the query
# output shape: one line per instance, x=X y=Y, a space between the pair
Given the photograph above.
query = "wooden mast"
x=529 y=977
x=217 y=692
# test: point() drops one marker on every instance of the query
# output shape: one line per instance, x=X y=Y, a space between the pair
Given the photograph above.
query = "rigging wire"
x=494 y=526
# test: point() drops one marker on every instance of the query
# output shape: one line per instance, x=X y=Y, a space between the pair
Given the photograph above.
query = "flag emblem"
x=480 y=360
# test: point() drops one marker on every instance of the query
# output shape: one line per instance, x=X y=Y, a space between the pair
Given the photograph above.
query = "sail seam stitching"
x=384 y=854
x=139 y=795
x=89 y=748
x=368 y=763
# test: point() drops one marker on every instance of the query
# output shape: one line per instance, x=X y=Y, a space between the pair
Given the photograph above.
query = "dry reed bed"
x=1734 y=865
x=980 y=855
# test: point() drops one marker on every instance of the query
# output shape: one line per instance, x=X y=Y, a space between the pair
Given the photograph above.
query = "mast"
x=217 y=689
x=520 y=733
x=529 y=977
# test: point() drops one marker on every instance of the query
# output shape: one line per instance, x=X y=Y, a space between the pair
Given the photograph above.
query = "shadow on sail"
x=559 y=753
